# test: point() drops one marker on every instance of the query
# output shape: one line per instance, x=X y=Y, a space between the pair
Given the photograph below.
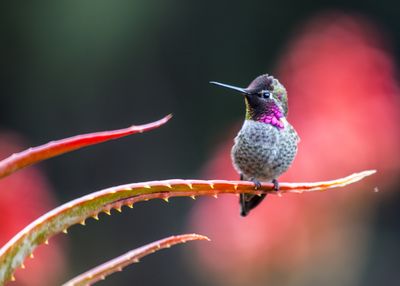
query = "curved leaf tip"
x=117 y=264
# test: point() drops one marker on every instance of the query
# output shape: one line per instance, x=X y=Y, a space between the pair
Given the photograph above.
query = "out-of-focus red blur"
x=24 y=196
x=343 y=102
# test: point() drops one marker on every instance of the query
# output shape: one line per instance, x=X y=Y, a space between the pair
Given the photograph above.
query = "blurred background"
x=70 y=67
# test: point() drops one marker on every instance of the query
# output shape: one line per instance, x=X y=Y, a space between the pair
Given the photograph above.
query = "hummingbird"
x=266 y=145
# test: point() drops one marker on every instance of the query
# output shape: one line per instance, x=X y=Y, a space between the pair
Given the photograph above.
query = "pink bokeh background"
x=344 y=103
x=25 y=196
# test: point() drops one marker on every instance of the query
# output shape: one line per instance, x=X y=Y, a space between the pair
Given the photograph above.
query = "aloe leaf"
x=77 y=211
x=34 y=155
x=102 y=271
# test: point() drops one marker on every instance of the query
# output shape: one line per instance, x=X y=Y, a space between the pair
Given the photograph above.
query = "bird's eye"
x=265 y=94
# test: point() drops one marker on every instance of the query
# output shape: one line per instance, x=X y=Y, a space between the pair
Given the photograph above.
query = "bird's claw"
x=257 y=184
x=276 y=185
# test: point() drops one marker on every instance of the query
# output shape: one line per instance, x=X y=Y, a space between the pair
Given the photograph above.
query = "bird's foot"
x=257 y=184
x=276 y=185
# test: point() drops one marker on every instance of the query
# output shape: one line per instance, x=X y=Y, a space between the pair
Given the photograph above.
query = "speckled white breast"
x=262 y=151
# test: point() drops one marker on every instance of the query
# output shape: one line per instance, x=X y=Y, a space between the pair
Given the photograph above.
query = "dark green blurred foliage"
x=69 y=67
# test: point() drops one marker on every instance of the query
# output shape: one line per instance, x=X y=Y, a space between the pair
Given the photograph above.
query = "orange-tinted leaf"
x=13 y=254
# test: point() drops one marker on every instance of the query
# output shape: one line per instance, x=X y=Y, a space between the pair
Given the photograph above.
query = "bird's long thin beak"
x=241 y=90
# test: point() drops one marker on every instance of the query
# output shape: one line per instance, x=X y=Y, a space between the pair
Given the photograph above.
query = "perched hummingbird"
x=266 y=144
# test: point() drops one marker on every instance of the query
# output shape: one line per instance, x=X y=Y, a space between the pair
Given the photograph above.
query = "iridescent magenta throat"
x=273 y=117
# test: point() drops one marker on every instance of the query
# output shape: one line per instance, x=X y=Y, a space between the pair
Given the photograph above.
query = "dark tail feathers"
x=249 y=202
